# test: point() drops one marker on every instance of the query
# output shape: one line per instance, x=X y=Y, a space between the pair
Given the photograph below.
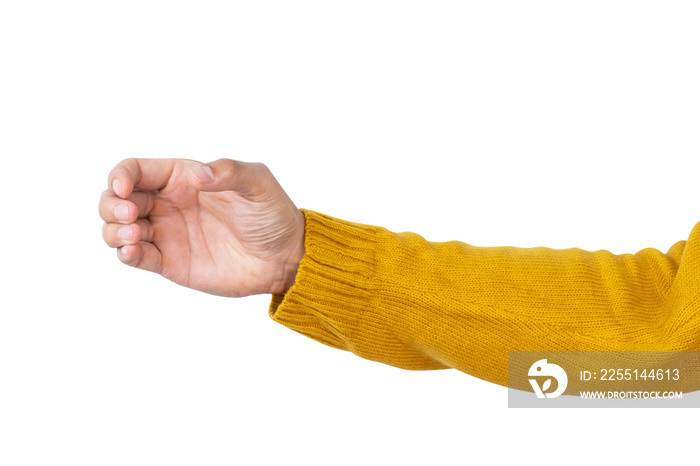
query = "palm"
x=214 y=241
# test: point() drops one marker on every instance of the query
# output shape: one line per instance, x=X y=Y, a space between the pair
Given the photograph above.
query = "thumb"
x=245 y=178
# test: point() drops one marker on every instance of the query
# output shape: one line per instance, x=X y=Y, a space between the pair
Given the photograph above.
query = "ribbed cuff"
x=341 y=294
x=331 y=296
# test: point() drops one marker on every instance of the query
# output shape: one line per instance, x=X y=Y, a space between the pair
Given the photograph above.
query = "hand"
x=225 y=228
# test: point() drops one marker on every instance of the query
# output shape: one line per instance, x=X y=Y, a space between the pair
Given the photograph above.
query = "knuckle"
x=130 y=167
x=262 y=168
x=230 y=166
x=101 y=205
x=110 y=239
x=121 y=167
x=109 y=235
x=263 y=174
x=106 y=213
x=104 y=198
x=127 y=162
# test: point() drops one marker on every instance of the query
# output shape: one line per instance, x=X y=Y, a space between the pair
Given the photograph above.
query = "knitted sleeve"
x=401 y=300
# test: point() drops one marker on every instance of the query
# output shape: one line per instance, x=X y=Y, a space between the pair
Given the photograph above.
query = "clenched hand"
x=226 y=228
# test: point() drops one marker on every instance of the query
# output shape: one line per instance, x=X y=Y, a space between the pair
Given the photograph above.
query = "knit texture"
x=401 y=300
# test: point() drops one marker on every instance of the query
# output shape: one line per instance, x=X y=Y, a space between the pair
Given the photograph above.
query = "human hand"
x=225 y=228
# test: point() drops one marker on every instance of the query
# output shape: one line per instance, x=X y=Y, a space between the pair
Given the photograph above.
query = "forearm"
x=411 y=303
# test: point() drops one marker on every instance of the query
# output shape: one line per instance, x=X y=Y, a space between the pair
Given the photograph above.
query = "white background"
x=522 y=123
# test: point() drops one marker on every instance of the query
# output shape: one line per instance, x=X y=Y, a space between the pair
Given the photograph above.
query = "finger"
x=114 y=209
x=144 y=174
x=141 y=255
x=117 y=235
x=247 y=179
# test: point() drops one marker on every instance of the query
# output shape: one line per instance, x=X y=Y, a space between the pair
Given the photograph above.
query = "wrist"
x=290 y=266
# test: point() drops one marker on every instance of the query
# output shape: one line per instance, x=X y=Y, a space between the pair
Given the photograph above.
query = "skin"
x=225 y=228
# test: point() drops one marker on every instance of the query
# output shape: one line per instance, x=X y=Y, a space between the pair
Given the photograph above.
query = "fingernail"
x=203 y=173
x=126 y=233
x=117 y=187
x=123 y=249
x=121 y=211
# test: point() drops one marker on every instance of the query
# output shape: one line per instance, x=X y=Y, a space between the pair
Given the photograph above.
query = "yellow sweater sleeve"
x=401 y=300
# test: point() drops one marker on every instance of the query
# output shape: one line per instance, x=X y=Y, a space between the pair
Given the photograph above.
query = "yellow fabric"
x=401 y=300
